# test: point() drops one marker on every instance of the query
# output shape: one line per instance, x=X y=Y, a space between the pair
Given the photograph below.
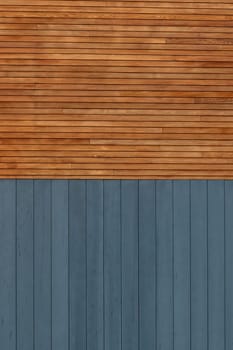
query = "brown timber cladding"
x=116 y=89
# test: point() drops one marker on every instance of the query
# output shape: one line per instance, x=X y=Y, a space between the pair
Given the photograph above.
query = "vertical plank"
x=199 y=265
x=42 y=264
x=7 y=265
x=24 y=207
x=112 y=265
x=216 y=264
x=147 y=265
x=77 y=264
x=129 y=214
x=164 y=224
x=104 y=257
x=95 y=325
x=181 y=265
x=229 y=263
x=60 y=323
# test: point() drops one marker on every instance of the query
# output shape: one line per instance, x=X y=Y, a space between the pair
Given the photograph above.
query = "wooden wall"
x=116 y=265
x=116 y=89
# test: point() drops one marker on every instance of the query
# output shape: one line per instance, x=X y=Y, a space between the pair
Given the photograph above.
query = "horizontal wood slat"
x=116 y=89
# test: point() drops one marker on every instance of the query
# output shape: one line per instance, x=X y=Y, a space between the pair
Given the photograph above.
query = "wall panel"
x=116 y=89
x=116 y=264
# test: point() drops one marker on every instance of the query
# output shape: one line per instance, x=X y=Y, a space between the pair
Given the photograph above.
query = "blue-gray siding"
x=116 y=265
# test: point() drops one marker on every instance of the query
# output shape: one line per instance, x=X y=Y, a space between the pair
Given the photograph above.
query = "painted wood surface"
x=116 y=265
x=116 y=89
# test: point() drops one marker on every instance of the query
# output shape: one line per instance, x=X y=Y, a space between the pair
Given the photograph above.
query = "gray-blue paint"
x=228 y=264
x=42 y=265
x=112 y=266
x=8 y=284
x=164 y=232
x=181 y=267
x=77 y=265
x=198 y=266
x=130 y=265
x=216 y=269
x=147 y=265
x=24 y=265
x=95 y=266
x=59 y=257
x=116 y=265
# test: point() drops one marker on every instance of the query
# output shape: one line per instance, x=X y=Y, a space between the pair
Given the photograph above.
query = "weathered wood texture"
x=116 y=265
x=116 y=89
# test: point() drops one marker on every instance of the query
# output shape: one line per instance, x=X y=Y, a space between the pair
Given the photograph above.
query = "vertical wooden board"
x=77 y=264
x=8 y=265
x=60 y=302
x=25 y=263
x=90 y=264
x=130 y=307
x=216 y=265
x=112 y=265
x=228 y=264
x=181 y=265
x=198 y=265
x=42 y=265
x=95 y=325
x=147 y=265
x=164 y=229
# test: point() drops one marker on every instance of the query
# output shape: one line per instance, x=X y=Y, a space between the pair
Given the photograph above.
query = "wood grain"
x=116 y=89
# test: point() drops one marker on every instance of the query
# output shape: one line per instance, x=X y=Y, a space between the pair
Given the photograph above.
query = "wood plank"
x=8 y=262
x=124 y=263
x=165 y=291
x=181 y=251
x=228 y=263
x=216 y=265
x=112 y=264
x=77 y=264
x=42 y=265
x=147 y=264
x=130 y=268
x=59 y=257
x=95 y=273
x=25 y=263
x=198 y=267
x=114 y=73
